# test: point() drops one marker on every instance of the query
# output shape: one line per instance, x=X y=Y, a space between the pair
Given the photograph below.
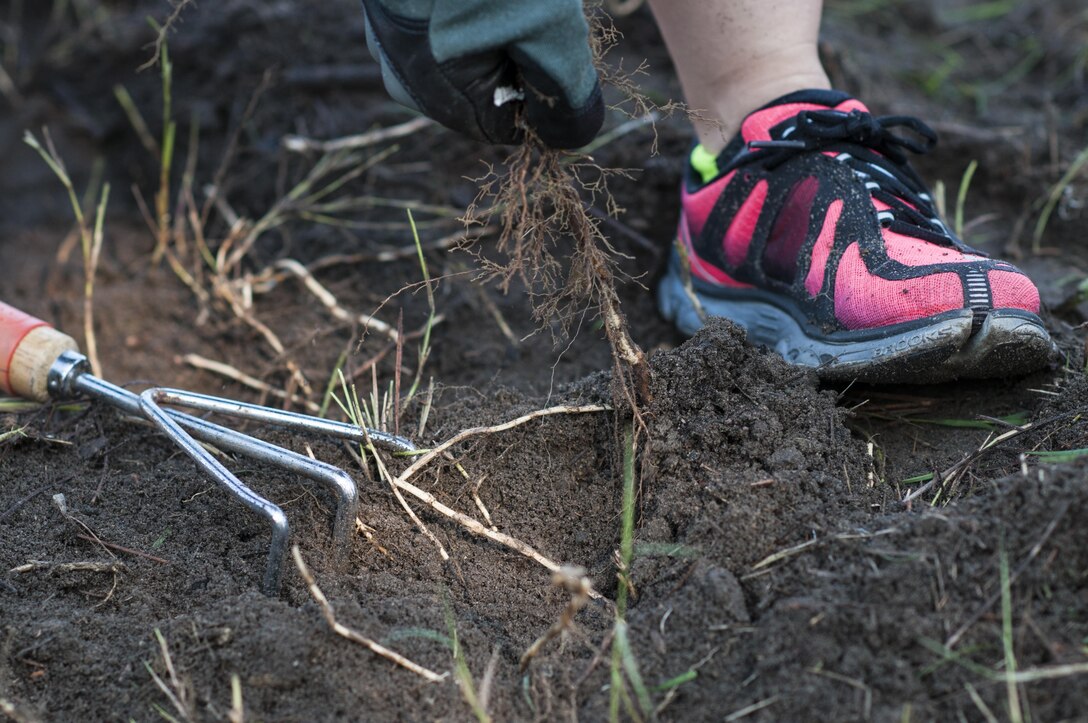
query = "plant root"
x=355 y=637
x=574 y=581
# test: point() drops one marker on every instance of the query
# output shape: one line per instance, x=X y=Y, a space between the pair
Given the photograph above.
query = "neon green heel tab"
x=704 y=163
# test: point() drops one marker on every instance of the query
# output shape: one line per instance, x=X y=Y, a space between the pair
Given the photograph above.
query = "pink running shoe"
x=812 y=232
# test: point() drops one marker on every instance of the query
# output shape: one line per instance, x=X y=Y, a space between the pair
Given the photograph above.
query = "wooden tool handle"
x=28 y=348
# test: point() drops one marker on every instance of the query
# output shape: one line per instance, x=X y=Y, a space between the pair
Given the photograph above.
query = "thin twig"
x=226 y=370
x=122 y=548
x=346 y=632
x=461 y=436
x=88 y=566
x=328 y=300
x=301 y=144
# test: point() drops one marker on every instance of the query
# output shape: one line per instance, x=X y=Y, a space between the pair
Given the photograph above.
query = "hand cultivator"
x=41 y=363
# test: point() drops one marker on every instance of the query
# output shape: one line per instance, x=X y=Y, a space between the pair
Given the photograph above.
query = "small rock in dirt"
x=721 y=591
x=786 y=458
x=92 y=448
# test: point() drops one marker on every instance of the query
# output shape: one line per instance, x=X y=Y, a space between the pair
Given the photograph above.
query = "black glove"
x=473 y=64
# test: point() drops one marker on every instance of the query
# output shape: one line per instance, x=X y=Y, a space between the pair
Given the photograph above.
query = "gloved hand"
x=471 y=64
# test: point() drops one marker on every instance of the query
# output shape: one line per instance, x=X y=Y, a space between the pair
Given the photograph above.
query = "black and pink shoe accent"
x=819 y=239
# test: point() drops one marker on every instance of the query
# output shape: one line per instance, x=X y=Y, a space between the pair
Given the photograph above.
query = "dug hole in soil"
x=786 y=566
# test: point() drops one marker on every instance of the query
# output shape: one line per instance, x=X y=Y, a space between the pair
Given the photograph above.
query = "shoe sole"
x=939 y=348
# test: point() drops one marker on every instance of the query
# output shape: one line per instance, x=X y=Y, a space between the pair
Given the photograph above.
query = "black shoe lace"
x=877 y=156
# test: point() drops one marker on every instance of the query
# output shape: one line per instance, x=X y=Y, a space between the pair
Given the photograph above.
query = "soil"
x=786 y=564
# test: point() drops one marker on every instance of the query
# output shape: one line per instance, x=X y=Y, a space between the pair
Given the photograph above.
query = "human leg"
x=733 y=56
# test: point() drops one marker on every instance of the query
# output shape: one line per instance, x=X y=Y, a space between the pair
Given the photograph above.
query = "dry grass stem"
x=89 y=235
x=9 y=709
x=946 y=480
x=368 y=532
x=383 y=472
x=55 y=567
x=355 y=637
x=428 y=402
x=404 y=252
x=91 y=254
x=473 y=525
x=218 y=270
x=461 y=436
x=750 y=709
x=496 y=314
x=469 y=523
x=62 y=506
x=179 y=694
x=328 y=300
x=226 y=370
x=488 y=678
x=126 y=550
x=575 y=582
x=237 y=713
x=480 y=503
x=300 y=144
x=784 y=554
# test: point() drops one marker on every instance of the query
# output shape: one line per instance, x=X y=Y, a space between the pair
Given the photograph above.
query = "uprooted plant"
x=537 y=200
x=538 y=204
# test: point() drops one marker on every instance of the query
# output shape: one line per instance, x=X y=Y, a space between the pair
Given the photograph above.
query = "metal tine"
x=69 y=378
x=232 y=440
x=347 y=505
x=274 y=454
x=283 y=418
x=280 y=530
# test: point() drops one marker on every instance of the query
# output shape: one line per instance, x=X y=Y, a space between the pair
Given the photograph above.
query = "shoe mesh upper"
x=864 y=300
x=799 y=216
x=821 y=250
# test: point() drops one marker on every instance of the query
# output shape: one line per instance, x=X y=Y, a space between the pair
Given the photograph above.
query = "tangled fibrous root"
x=537 y=199
x=541 y=200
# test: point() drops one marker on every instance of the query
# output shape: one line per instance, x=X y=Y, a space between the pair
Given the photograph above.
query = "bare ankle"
x=732 y=97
